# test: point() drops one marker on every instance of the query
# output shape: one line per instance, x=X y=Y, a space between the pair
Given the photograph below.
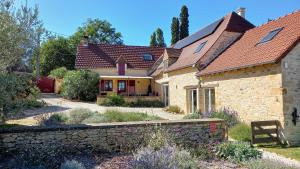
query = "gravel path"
x=280 y=159
x=58 y=104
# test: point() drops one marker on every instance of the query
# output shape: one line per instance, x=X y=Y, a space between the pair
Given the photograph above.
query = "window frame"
x=104 y=87
x=268 y=37
x=200 y=47
x=147 y=54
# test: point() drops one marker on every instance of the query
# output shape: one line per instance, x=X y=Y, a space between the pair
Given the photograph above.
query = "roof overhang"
x=127 y=77
x=163 y=80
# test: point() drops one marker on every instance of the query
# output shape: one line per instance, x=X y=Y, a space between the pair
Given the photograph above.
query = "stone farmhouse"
x=253 y=71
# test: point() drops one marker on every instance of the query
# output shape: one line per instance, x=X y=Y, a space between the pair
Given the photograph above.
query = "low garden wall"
x=110 y=137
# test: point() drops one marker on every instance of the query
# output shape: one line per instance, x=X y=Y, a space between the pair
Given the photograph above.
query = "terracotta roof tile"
x=231 y=22
x=247 y=51
x=106 y=55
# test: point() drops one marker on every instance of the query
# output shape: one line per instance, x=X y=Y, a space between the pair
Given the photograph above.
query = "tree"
x=55 y=53
x=160 y=38
x=175 y=30
x=98 y=31
x=184 y=22
x=153 y=41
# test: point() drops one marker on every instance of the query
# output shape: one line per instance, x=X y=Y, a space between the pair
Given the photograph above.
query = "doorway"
x=193 y=99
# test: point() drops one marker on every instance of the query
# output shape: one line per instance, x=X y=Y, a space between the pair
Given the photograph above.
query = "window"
x=200 y=47
x=106 y=85
x=148 y=57
x=121 y=68
x=209 y=100
x=121 y=86
x=270 y=35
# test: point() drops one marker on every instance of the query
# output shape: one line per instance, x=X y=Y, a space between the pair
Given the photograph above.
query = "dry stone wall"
x=113 y=137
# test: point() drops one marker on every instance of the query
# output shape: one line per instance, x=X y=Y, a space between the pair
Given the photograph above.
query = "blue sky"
x=137 y=19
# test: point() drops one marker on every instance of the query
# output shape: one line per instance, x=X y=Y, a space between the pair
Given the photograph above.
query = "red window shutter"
x=121 y=68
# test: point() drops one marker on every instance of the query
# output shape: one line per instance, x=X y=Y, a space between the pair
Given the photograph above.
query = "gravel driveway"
x=57 y=104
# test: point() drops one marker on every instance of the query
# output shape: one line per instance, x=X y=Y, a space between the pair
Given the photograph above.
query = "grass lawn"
x=290 y=152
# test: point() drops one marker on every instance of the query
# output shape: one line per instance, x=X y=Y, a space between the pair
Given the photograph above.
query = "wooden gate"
x=261 y=129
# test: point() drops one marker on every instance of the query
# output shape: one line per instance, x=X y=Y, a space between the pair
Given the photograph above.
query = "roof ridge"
x=280 y=17
x=123 y=45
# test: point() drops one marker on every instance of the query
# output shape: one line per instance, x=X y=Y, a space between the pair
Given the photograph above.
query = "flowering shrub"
x=168 y=157
x=81 y=85
x=237 y=151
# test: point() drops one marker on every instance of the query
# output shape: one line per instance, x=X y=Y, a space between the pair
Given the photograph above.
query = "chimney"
x=241 y=11
x=85 y=40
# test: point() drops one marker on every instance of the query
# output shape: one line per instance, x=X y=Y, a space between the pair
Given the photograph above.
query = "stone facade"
x=110 y=137
x=290 y=66
x=267 y=92
x=178 y=81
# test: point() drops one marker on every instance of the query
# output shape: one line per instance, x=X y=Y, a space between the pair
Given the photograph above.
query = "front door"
x=166 y=94
x=131 y=87
x=193 y=100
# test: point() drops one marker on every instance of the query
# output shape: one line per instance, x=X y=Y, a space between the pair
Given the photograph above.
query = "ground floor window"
x=209 y=100
x=121 y=86
x=193 y=99
x=106 y=85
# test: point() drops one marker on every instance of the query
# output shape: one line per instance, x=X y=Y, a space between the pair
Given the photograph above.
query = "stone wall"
x=291 y=97
x=109 y=137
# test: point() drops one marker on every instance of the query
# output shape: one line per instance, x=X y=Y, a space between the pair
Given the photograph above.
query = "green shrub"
x=97 y=118
x=72 y=164
x=228 y=116
x=81 y=85
x=203 y=151
x=266 y=164
x=195 y=115
x=113 y=100
x=77 y=116
x=240 y=132
x=58 y=73
x=237 y=151
x=174 y=109
x=51 y=120
x=18 y=92
x=146 y=103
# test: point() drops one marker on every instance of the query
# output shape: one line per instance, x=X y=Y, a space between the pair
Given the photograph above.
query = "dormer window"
x=200 y=47
x=148 y=57
x=270 y=35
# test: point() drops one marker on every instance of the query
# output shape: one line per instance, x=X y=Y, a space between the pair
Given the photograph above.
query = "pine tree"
x=175 y=30
x=184 y=22
x=160 y=38
x=153 y=41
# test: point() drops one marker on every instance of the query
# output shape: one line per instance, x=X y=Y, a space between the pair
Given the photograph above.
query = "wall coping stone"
x=108 y=125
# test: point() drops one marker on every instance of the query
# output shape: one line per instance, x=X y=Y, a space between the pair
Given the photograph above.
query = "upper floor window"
x=200 y=47
x=148 y=57
x=121 y=68
x=270 y=35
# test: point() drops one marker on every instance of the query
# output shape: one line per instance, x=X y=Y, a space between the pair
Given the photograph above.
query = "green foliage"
x=174 y=109
x=158 y=139
x=98 y=31
x=153 y=40
x=113 y=100
x=237 y=151
x=146 y=103
x=55 y=53
x=229 y=117
x=184 y=22
x=266 y=164
x=195 y=115
x=160 y=38
x=72 y=164
x=203 y=151
x=58 y=73
x=17 y=92
x=77 y=116
x=117 y=116
x=240 y=132
x=81 y=85
x=51 y=119
x=175 y=30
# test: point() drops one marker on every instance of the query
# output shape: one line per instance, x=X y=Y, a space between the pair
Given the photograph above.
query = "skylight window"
x=200 y=47
x=270 y=35
x=148 y=57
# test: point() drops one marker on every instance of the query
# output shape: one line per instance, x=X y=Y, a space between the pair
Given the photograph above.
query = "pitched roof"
x=247 y=51
x=231 y=22
x=173 y=53
x=106 y=55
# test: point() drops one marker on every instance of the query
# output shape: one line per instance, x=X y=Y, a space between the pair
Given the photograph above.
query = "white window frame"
x=192 y=100
x=209 y=99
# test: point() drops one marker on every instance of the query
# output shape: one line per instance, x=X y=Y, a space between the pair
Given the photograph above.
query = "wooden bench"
x=269 y=128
